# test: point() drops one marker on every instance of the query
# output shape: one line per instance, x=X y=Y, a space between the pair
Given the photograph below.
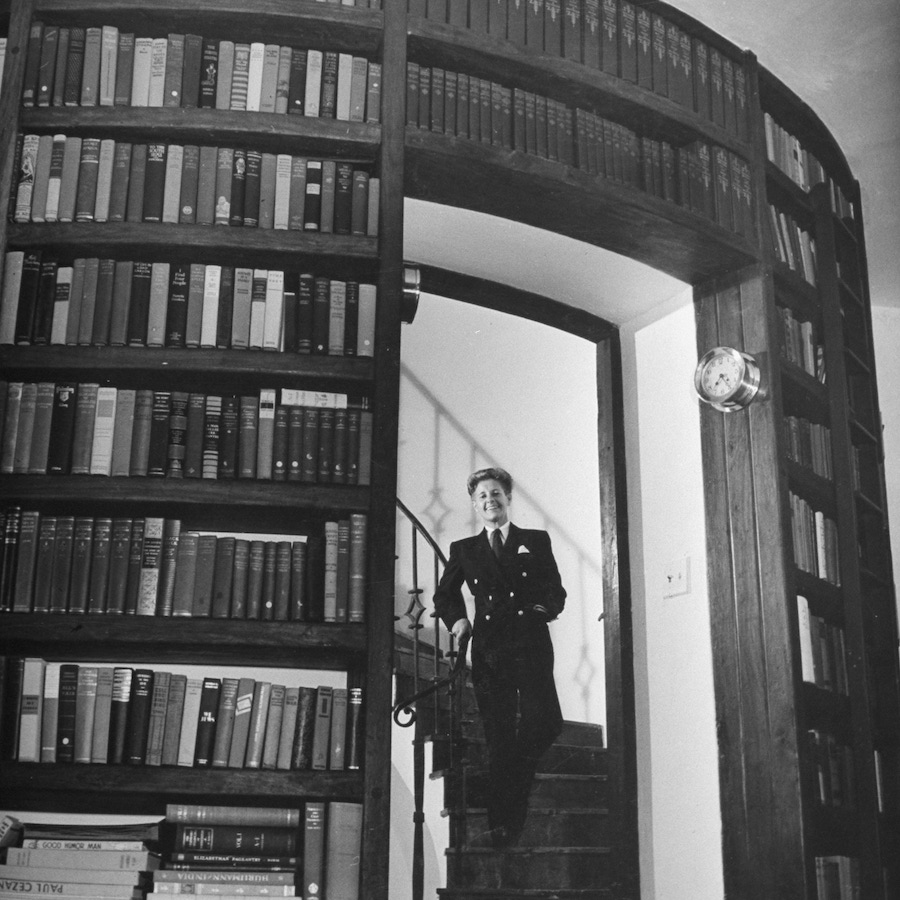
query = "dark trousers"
x=519 y=709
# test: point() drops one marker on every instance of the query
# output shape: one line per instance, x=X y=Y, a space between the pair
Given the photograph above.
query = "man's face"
x=491 y=502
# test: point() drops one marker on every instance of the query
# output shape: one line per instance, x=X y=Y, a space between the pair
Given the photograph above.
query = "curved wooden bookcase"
x=774 y=828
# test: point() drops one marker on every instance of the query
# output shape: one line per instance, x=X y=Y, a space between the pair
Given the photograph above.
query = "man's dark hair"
x=494 y=473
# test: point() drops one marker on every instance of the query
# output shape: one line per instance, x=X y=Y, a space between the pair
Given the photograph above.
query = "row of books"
x=70 y=713
x=799 y=344
x=618 y=37
x=815 y=541
x=823 y=655
x=838 y=878
x=93 y=429
x=151 y=566
x=704 y=178
x=793 y=245
x=785 y=151
x=834 y=768
x=323 y=839
x=105 y=66
x=809 y=444
x=99 y=302
x=73 y=179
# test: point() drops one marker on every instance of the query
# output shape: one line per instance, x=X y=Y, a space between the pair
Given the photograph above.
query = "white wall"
x=678 y=798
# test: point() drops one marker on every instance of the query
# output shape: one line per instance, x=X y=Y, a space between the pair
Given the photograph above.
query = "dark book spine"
x=193 y=453
x=138 y=717
x=228 y=437
x=280 y=444
x=208 y=72
x=240 y=576
x=159 y=433
x=101 y=551
x=135 y=557
x=154 y=183
x=120 y=550
x=176 y=311
x=206 y=721
x=65 y=728
x=118 y=714
x=223 y=577
x=177 y=440
x=81 y=564
x=255 y=568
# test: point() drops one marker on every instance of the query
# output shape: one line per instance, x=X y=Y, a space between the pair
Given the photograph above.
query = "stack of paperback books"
x=111 y=862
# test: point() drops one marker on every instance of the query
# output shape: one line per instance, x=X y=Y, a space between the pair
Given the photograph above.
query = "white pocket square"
x=523 y=550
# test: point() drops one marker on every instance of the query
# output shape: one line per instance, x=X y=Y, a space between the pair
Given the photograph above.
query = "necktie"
x=496 y=542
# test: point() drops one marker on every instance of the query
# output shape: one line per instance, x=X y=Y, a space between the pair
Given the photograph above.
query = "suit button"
x=524 y=574
x=487 y=618
x=521 y=612
x=475 y=580
x=512 y=593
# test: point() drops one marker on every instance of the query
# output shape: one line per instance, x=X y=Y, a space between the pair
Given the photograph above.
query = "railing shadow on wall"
x=444 y=440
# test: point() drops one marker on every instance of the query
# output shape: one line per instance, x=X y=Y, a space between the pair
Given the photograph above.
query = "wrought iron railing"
x=439 y=692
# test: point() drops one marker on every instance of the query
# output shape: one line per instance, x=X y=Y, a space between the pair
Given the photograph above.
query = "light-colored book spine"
x=109 y=51
x=337 y=312
x=283 y=85
x=240 y=77
x=224 y=74
x=157 y=89
x=64 y=859
x=12 y=280
x=313 y=92
x=104 y=424
x=210 y=321
x=140 y=78
x=269 y=80
x=50 y=713
x=283 y=165
x=172 y=186
x=240 y=314
x=189 y=720
x=85 y=709
x=365 y=343
x=159 y=298
x=274 y=313
x=255 y=75
x=344 y=86
x=32 y=702
x=104 y=179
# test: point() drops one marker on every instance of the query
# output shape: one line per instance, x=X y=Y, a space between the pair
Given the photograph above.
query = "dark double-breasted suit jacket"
x=506 y=590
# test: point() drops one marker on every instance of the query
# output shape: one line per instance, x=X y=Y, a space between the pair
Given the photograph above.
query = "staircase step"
x=524 y=894
x=559 y=791
x=546 y=868
x=579 y=734
x=561 y=758
x=546 y=827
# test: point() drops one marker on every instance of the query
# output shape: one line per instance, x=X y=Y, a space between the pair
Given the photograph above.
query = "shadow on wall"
x=434 y=443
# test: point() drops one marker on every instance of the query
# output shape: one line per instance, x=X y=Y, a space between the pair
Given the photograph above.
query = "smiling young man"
x=514 y=579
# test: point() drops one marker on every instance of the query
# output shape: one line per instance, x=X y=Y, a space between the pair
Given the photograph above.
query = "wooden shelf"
x=111 y=638
x=267 y=132
x=222 y=244
x=149 y=493
x=147 y=789
x=42 y=363
x=549 y=195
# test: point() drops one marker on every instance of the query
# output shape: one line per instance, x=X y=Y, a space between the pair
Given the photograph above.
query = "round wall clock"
x=727 y=379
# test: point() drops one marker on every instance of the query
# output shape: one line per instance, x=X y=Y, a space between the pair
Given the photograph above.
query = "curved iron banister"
x=459 y=667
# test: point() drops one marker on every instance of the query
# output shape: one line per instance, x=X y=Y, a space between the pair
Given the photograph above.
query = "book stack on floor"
x=111 y=862
x=232 y=852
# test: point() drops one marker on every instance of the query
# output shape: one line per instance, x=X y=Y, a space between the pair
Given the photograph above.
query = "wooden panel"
x=754 y=667
x=618 y=625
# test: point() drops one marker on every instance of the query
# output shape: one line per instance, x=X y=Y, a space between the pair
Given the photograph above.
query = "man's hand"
x=461 y=628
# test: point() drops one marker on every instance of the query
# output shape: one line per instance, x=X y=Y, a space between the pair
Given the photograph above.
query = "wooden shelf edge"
x=261 y=131
x=183 y=492
x=41 y=360
x=20 y=782
x=147 y=240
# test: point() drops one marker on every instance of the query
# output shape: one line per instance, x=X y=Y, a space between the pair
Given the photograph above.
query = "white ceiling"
x=841 y=57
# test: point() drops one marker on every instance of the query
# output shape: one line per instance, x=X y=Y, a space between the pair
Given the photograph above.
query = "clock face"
x=721 y=375
x=727 y=379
